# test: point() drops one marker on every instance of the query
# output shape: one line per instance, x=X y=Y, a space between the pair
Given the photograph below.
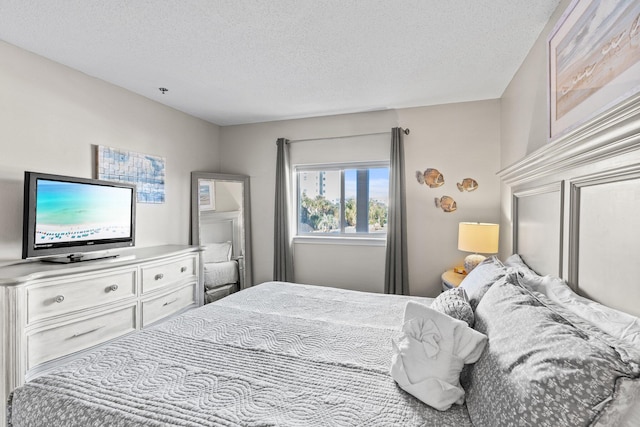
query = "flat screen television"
x=69 y=219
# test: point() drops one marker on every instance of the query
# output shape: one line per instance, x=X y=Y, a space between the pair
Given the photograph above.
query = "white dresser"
x=54 y=312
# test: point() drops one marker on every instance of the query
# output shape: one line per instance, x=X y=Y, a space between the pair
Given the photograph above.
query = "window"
x=343 y=199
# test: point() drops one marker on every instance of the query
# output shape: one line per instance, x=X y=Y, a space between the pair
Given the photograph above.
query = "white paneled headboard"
x=537 y=223
x=575 y=208
x=222 y=227
x=604 y=246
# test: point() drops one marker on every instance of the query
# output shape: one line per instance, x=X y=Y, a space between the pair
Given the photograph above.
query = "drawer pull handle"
x=59 y=298
x=112 y=288
x=183 y=269
x=169 y=302
x=79 y=334
x=159 y=276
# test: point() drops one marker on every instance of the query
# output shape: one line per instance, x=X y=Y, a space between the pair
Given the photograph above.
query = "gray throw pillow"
x=454 y=303
x=480 y=279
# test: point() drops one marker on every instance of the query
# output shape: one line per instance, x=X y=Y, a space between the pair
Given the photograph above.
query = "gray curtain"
x=396 y=280
x=282 y=253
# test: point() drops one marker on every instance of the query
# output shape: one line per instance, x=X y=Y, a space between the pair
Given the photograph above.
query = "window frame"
x=358 y=238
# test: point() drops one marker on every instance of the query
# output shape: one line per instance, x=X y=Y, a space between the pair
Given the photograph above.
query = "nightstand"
x=451 y=279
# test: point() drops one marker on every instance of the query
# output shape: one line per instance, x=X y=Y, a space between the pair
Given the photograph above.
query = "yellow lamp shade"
x=479 y=238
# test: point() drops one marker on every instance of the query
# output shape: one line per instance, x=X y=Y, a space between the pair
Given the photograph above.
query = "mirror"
x=220 y=223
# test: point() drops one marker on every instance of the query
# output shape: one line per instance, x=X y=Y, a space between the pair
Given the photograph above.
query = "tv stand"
x=78 y=258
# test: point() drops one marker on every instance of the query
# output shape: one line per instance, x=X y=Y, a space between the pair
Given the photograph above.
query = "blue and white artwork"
x=147 y=172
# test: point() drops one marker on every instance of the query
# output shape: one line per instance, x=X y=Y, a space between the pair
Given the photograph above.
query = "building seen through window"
x=350 y=199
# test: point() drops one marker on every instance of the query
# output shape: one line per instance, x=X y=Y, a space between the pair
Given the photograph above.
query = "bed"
x=283 y=354
x=274 y=354
x=220 y=271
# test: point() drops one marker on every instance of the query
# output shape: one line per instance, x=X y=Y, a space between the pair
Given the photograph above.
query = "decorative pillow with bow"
x=430 y=355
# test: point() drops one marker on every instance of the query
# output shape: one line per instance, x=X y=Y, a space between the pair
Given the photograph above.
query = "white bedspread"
x=273 y=355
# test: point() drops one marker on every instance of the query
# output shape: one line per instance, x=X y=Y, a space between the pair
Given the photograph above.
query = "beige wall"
x=228 y=196
x=51 y=117
x=523 y=119
x=462 y=140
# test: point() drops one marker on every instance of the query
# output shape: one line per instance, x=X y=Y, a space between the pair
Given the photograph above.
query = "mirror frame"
x=246 y=215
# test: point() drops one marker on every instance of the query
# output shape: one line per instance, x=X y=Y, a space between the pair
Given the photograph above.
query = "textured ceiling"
x=243 y=61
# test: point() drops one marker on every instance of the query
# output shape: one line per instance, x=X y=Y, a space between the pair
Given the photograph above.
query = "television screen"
x=70 y=211
x=64 y=215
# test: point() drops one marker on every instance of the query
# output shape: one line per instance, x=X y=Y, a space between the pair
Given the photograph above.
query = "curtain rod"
x=406 y=132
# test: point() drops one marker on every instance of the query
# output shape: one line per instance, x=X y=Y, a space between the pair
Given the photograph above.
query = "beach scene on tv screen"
x=69 y=212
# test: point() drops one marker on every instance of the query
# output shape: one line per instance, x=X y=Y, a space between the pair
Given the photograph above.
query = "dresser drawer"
x=165 y=305
x=49 y=344
x=159 y=275
x=63 y=297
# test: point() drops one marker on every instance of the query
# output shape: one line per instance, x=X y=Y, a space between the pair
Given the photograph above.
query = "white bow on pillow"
x=423 y=332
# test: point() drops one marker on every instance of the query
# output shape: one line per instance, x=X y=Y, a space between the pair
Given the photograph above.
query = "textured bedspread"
x=273 y=355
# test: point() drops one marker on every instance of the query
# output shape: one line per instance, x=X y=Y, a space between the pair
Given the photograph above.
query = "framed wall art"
x=207 y=195
x=594 y=61
x=144 y=170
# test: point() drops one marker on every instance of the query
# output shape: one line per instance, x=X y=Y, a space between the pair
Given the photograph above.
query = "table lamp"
x=479 y=238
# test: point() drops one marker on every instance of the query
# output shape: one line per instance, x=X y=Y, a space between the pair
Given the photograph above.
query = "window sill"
x=340 y=240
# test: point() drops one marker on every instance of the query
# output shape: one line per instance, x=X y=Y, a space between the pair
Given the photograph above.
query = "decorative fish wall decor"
x=430 y=177
x=467 y=184
x=446 y=203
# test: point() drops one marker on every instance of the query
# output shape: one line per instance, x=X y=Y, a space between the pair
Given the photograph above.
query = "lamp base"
x=471 y=261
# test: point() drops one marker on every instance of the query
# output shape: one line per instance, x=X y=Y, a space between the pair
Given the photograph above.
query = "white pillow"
x=618 y=324
x=624 y=411
x=517 y=262
x=429 y=357
x=481 y=278
x=217 y=252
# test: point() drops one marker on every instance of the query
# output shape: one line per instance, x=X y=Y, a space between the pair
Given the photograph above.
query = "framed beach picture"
x=594 y=61
x=207 y=196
